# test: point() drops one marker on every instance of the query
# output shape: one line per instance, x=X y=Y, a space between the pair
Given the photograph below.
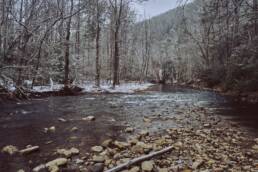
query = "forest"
x=89 y=86
x=211 y=42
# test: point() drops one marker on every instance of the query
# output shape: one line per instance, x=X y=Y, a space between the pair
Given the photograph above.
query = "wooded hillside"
x=212 y=42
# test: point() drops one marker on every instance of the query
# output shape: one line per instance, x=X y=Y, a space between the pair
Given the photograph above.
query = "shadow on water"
x=23 y=123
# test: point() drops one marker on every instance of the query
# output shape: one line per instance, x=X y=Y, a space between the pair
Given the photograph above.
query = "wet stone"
x=99 y=167
x=68 y=152
x=107 y=143
x=97 y=149
x=129 y=130
x=147 y=165
x=10 y=149
x=89 y=118
x=53 y=166
x=98 y=158
x=134 y=169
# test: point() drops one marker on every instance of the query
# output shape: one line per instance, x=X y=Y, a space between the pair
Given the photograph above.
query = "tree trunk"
x=255 y=10
x=97 y=78
x=67 y=48
x=117 y=14
x=116 y=60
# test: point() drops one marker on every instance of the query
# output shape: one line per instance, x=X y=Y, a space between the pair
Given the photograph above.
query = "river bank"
x=237 y=95
x=20 y=93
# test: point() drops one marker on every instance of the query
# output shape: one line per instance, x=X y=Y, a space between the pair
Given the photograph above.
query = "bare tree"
x=67 y=46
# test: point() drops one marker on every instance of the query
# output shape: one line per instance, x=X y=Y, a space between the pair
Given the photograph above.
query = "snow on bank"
x=42 y=89
x=8 y=85
x=122 y=88
x=89 y=87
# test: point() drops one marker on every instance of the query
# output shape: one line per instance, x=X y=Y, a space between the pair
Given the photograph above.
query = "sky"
x=154 y=7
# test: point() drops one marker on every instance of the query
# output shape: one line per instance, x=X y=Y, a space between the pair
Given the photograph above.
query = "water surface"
x=23 y=123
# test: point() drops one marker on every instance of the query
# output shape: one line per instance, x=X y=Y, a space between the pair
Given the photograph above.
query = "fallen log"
x=29 y=150
x=140 y=159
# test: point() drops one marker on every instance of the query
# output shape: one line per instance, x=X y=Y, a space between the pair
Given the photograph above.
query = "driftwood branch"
x=140 y=159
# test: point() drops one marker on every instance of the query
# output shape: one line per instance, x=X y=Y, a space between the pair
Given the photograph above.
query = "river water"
x=23 y=123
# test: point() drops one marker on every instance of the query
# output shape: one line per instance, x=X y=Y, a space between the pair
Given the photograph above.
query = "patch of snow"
x=89 y=87
x=8 y=85
x=42 y=89
x=11 y=88
x=122 y=88
x=90 y=98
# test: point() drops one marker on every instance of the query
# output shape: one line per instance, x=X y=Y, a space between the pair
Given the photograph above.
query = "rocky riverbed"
x=100 y=132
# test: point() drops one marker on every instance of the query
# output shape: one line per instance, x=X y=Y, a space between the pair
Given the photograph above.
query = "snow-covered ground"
x=42 y=89
x=122 y=88
x=9 y=85
x=89 y=87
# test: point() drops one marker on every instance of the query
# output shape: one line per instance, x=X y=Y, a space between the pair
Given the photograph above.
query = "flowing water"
x=23 y=123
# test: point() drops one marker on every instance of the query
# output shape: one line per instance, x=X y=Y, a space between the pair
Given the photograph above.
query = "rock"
x=207 y=125
x=161 y=141
x=255 y=147
x=72 y=138
x=205 y=170
x=137 y=149
x=52 y=129
x=247 y=168
x=62 y=120
x=147 y=165
x=68 y=153
x=97 y=149
x=117 y=156
x=89 y=118
x=39 y=168
x=57 y=162
x=125 y=171
x=79 y=161
x=10 y=149
x=129 y=130
x=144 y=146
x=48 y=142
x=134 y=169
x=53 y=166
x=107 y=143
x=256 y=140
x=162 y=170
x=99 y=167
x=98 y=158
x=29 y=150
x=133 y=141
x=147 y=120
x=20 y=170
x=106 y=152
x=121 y=145
x=144 y=133
x=64 y=152
x=178 y=145
x=74 y=151
x=74 y=129
x=197 y=164
x=108 y=162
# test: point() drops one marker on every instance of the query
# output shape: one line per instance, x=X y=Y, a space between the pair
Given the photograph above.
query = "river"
x=23 y=123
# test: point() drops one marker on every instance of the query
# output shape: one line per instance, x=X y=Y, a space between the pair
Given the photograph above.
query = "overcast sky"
x=154 y=7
